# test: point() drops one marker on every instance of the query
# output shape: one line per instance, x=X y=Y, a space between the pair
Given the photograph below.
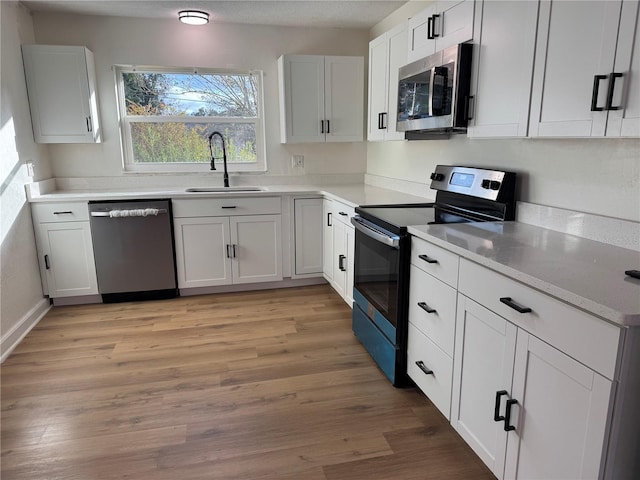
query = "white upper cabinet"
x=441 y=25
x=387 y=54
x=321 y=98
x=574 y=86
x=503 y=52
x=62 y=93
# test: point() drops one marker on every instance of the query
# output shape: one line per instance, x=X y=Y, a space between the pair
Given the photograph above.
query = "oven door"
x=377 y=268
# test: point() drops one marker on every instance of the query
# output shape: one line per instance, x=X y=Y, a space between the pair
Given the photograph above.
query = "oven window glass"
x=376 y=275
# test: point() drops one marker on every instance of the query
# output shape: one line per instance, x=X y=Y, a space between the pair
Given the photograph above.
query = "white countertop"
x=352 y=195
x=584 y=273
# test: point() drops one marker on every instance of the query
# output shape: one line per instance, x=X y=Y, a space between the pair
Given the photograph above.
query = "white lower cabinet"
x=339 y=248
x=65 y=249
x=214 y=250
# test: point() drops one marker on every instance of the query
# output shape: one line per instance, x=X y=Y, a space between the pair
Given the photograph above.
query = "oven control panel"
x=494 y=185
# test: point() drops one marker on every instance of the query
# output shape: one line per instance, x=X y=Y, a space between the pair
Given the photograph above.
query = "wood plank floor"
x=267 y=385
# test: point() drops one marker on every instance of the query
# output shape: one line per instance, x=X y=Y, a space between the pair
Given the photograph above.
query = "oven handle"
x=393 y=242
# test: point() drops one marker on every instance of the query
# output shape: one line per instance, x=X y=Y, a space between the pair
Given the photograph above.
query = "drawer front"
x=428 y=293
x=437 y=261
x=342 y=212
x=223 y=207
x=588 y=339
x=60 y=212
x=437 y=385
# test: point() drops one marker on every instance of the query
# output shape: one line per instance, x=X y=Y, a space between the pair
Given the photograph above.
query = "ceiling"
x=294 y=13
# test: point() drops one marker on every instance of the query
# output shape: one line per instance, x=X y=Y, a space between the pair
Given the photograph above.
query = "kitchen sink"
x=224 y=189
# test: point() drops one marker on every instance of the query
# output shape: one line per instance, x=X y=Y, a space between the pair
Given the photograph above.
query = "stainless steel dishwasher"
x=134 y=249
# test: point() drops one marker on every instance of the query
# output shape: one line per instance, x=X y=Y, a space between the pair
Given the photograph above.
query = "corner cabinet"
x=308 y=236
x=65 y=249
x=387 y=54
x=321 y=98
x=596 y=93
x=61 y=86
x=228 y=241
x=439 y=26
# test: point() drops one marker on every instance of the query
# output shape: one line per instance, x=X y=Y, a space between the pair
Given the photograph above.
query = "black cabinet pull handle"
x=430 y=28
x=233 y=249
x=341 y=259
x=594 y=93
x=384 y=120
x=380 y=121
x=612 y=84
x=510 y=303
x=433 y=32
x=63 y=213
x=329 y=224
x=328 y=127
x=426 y=307
x=422 y=367
x=89 y=125
x=632 y=273
x=321 y=126
x=343 y=214
x=507 y=416
x=46 y=262
x=496 y=409
x=228 y=251
x=427 y=259
x=226 y=207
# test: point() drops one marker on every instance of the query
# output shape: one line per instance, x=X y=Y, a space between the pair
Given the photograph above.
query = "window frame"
x=125 y=121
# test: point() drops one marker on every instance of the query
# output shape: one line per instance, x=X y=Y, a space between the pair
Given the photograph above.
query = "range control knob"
x=495 y=185
x=437 y=177
x=486 y=184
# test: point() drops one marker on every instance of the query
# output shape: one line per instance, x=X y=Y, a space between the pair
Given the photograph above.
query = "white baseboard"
x=13 y=337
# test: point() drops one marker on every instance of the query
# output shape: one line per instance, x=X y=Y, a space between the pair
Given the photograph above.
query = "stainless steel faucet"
x=224 y=156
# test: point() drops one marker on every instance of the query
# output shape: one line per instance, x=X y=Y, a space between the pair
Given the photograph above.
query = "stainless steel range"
x=382 y=254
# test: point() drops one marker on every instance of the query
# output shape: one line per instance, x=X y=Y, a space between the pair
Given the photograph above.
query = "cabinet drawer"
x=60 y=212
x=342 y=212
x=588 y=339
x=437 y=385
x=439 y=326
x=223 y=207
x=437 y=261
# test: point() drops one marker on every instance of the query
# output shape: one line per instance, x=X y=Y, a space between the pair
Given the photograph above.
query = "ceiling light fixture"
x=193 y=17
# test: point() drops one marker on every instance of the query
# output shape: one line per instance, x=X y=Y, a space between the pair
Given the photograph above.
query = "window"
x=167 y=116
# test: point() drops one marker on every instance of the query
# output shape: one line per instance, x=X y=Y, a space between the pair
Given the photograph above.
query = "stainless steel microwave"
x=433 y=92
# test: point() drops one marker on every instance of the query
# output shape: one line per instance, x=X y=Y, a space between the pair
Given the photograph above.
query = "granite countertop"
x=582 y=272
x=353 y=195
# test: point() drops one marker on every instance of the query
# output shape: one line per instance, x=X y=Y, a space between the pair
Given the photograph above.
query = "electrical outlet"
x=297 y=161
x=30 y=171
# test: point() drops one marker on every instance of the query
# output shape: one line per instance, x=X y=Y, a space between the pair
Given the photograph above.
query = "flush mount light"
x=193 y=17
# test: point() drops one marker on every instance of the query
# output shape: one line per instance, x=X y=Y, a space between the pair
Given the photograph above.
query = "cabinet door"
x=349 y=264
x=308 y=235
x=504 y=37
x=302 y=98
x=483 y=366
x=339 y=257
x=625 y=121
x=584 y=33
x=560 y=417
x=378 y=87
x=327 y=239
x=257 y=248
x=454 y=24
x=344 y=98
x=69 y=259
x=397 y=54
x=62 y=98
x=203 y=258
x=418 y=43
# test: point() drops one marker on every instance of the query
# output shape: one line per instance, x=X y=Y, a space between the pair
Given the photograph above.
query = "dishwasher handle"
x=136 y=212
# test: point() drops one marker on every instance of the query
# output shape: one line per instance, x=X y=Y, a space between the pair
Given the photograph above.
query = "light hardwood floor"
x=268 y=385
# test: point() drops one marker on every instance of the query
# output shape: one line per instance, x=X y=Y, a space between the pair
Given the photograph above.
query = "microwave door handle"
x=392 y=242
x=432 y=79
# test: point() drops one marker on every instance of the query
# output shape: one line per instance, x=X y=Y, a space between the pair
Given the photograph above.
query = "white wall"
x=21 y=299
x=600 y=176
x=119 y=40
